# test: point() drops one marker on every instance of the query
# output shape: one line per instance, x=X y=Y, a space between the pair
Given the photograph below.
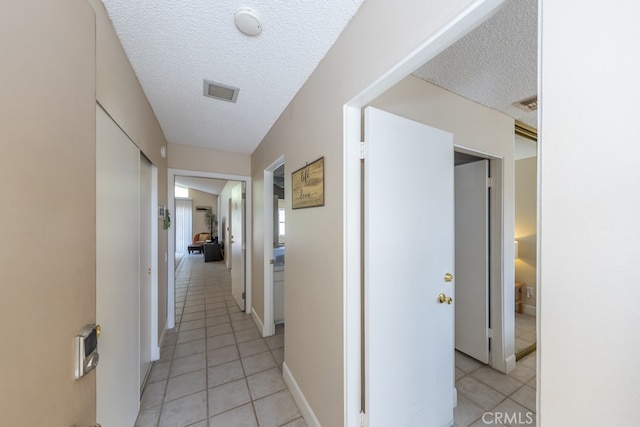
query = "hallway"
x=215 y=368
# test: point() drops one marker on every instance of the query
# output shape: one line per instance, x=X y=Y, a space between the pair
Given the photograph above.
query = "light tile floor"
x=215 y=368
x=525 y=331
x=487 y=397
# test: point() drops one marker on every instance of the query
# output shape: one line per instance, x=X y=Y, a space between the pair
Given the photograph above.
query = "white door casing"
x=228 y=237
x=408 y=342
x=270 y=218
x=117 y=274
x=171 y=237
x=146 y=282
x=237 y=246
x=472 y=259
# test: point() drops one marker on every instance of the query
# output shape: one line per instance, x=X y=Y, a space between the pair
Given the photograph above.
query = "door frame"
x=235 y=230
x=150 y=214
x=269 y=327
x=171 y=244
x=460 y=25
x=498 y=306
x=155 y=344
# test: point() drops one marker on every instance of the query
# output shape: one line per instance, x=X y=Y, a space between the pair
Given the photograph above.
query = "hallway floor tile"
x=215 y=369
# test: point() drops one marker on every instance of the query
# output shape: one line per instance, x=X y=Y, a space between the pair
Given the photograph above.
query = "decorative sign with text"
x=307 y=185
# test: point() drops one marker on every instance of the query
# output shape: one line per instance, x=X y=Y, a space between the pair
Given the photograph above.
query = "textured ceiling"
x=494 y=65
x=173 y=45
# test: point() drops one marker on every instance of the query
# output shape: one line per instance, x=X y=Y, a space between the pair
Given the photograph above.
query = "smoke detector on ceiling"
x=248 y=21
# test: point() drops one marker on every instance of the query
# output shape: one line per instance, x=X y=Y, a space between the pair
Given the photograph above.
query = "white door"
x=237 y=245
x=409 y=212
x=146 y=223
x=472 y=259
x=117 y=274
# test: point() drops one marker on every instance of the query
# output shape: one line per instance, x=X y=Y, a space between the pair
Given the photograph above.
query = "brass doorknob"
x=448 y=277
x=442 y=298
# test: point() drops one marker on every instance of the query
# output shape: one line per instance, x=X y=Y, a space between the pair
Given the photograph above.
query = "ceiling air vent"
x=528 y=104
x=220 y=91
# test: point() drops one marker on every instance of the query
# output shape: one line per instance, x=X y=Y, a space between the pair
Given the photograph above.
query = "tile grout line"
x=209 y=292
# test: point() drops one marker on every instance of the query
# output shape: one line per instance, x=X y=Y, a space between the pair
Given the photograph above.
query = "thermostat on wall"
x=87 y=350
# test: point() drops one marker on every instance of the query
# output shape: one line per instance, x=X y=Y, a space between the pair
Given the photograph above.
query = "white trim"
x=500 y=340
x=305 y=409
x=269 y=327
x=155 y=348
x=510 y=362
x=351 y=266
x=462 y=24
x=171 y=238
x=257 y=321
x=529 y=309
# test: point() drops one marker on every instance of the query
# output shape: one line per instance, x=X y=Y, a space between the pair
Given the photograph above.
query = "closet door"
x=117 y=274
x=472 y=259
x=148 y=219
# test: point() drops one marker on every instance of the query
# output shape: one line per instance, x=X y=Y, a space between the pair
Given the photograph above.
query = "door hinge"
x=244 y=295
x=362 y=419
x=362 y=150
x=489 y=182
x=490 y=332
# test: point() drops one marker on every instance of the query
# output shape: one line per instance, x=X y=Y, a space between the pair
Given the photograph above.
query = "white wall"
x=590 y=204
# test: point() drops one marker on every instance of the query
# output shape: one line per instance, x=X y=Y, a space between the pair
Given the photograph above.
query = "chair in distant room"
x=198 y=240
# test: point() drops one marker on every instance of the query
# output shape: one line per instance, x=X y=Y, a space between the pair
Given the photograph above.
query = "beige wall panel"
x=312 y=127
x=47 y=223
x=189 y=157
x=200 y=198
x=121 y=96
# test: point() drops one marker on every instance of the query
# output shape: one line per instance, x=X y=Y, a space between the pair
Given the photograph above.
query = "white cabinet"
x=278 y=294
x=278 y=285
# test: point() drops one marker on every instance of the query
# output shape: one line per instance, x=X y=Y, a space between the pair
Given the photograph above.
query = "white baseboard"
x=510 y=363
x=155 y=353
x=258 y=322
x=529 y=309
x=163 y=334
x=303 y=405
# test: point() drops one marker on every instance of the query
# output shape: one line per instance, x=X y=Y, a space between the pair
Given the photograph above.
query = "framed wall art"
x=307 y=185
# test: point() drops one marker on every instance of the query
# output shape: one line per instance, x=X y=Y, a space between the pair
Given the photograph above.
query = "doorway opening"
x=502 y=352
x=241 y=240
x=274 y=246
x=526 y=225
x=478 y=224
